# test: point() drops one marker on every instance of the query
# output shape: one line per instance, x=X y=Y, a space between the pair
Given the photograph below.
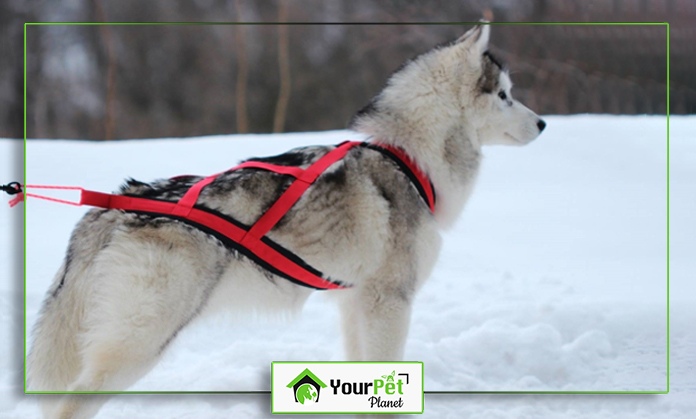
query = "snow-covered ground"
x=555 y=278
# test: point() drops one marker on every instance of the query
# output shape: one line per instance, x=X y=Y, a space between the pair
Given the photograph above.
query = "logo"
x=377 y=388
x=306 y=387
x=346 y=387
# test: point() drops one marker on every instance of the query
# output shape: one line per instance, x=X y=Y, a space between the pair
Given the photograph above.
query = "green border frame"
x=352 y=362
x=333 y=23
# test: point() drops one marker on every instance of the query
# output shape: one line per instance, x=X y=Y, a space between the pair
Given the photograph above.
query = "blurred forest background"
x=117 y=82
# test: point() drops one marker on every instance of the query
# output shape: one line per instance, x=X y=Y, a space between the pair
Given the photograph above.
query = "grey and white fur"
x=130 y=283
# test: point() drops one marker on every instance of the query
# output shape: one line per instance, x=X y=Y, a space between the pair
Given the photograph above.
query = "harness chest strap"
x=252 y=241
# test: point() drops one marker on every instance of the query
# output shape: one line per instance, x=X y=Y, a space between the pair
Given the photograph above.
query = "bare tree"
x=110 y=74
x=242 y=73
x=284 y=67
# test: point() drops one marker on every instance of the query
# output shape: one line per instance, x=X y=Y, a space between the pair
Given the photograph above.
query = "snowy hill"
x=554 y=279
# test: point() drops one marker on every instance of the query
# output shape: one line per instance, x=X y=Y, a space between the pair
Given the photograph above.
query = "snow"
x=555 y=278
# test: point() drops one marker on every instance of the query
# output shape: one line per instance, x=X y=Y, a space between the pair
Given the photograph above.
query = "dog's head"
x=459 y=84
x=485 y=97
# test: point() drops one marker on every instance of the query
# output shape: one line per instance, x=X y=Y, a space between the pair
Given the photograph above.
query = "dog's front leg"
x=385 y=313
x=351 y=320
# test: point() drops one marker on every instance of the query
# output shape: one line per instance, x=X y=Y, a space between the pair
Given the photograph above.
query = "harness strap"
x=252 y=241
x=187 y=202
x=212 y=223
x=271 y=217
x=407 y=165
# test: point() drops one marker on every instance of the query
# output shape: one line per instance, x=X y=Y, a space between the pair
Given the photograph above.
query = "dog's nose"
x=541 y=125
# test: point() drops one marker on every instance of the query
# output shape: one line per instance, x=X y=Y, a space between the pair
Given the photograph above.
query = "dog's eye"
x=502 y=95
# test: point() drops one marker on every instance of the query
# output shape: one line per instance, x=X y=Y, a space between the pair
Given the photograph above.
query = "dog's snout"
x=541 y=125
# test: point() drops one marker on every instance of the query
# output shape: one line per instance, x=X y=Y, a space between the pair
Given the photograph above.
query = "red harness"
x=252 y=241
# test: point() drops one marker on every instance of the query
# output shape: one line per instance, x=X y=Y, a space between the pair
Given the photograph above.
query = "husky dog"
x=131 y=282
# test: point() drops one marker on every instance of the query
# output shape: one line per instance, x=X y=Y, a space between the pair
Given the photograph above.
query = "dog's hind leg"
x=122 y=350
x=109 y=366
x=147 y=292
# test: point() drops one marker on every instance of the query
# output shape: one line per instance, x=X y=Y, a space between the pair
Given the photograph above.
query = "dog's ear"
x=476 y=38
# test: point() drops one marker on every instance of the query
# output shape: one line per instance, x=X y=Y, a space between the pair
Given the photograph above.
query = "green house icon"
x=306 y=387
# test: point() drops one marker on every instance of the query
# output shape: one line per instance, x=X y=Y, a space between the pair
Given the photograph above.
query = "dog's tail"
x=54 y=362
